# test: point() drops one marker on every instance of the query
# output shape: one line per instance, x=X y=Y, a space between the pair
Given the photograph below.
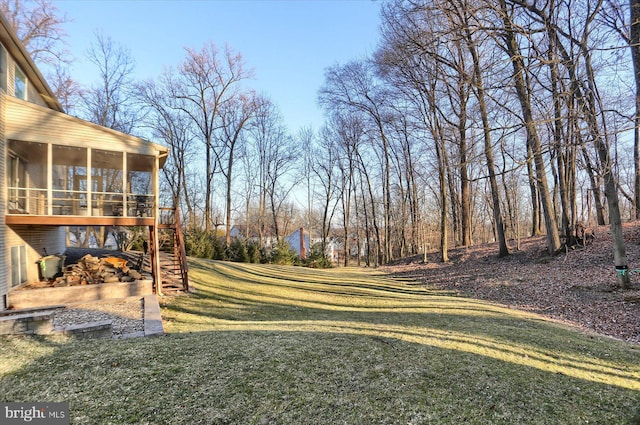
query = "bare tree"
x=326 y=169
x=634 y=45
x=40 y=26
x=306 y=138
x=353 y=88
x=67 y=90
x=208 y=80
x=234 y=118
x=110 y=101
x=461 y=13
x=171 y=128
x=351 y=132
x=524 y=97
x=276 y=155
x=623 y=17
x=578 y=63
x=412 y=63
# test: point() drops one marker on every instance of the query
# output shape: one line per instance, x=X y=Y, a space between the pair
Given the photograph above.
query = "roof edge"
x=12 y=43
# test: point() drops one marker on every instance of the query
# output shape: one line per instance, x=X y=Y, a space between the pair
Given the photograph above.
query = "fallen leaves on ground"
x=577 y=286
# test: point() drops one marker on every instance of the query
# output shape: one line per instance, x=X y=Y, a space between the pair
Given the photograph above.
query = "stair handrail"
x=184 y=267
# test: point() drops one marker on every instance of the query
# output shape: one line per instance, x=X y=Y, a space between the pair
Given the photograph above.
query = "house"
x=62 y=171
x=300 y=239
x=251 y=234
x=299 y=242
x=238 y=231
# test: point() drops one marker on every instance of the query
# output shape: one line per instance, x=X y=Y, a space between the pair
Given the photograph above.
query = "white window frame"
x=4 y=68
x=17 y=74
x=18 y=265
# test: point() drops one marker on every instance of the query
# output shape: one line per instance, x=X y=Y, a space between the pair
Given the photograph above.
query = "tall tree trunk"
x=455 y=203
x=553 y=238
x=208 y=189
x=488 y=148
x=562 y=159
x=346 y=208
x=376 y=229
x=595 y=186
x=634 y=6
x=610 y=186
x=388 y=254
x=442 y=179
x=533 y=189
x=465 y=196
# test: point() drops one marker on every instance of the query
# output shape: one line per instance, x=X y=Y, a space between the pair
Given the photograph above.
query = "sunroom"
x=64 y=171
x=48 y=179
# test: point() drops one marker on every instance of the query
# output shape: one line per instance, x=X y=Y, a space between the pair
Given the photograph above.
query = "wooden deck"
x=174 y=276
x=75 y=220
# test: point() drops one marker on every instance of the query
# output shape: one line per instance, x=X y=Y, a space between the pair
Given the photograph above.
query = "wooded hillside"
x=575 y=287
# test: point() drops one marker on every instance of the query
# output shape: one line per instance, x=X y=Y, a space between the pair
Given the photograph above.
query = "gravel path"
x=127 y=315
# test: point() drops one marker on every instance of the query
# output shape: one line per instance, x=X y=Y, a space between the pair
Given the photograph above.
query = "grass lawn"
x=260 y=344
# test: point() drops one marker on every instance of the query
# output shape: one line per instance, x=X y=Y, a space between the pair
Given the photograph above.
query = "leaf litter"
x=577 y=286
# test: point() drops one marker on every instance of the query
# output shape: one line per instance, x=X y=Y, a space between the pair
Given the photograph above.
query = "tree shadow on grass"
x=236 y=301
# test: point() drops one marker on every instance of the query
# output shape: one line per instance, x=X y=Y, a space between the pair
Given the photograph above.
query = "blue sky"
x=287 y=43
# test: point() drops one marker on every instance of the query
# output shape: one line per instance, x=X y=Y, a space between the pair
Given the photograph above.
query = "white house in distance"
x=243 y=232
x=61 y=171
x=298 y=240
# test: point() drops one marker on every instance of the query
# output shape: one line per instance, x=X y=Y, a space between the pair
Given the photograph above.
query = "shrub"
x=255 y=253
x=317 y=258
x=237 y=252
x=199 y=243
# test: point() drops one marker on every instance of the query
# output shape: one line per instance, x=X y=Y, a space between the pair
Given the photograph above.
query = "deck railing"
x=74 y=202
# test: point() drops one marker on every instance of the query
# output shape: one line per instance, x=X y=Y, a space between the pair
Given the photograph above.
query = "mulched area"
x=577 y=286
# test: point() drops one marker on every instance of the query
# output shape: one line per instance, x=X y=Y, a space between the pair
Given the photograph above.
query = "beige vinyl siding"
x=11 y=75
x=4 y=252
x=37 y=239
x=32 y=94
x=28 y=122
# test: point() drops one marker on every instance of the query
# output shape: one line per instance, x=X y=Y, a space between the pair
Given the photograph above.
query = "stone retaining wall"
x=100 y=329
x=26 y=324
x=44 y=297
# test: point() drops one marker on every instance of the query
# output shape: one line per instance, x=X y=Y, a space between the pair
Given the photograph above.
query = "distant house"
x=61 y=171
x=238 y=231
x=333 y=247
x=299 y=242
x=250 y=233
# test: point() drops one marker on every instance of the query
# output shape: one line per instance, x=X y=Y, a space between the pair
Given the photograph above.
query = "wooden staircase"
x=174 y=270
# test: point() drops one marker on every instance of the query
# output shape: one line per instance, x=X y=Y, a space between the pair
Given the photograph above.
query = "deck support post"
x=154 y=254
